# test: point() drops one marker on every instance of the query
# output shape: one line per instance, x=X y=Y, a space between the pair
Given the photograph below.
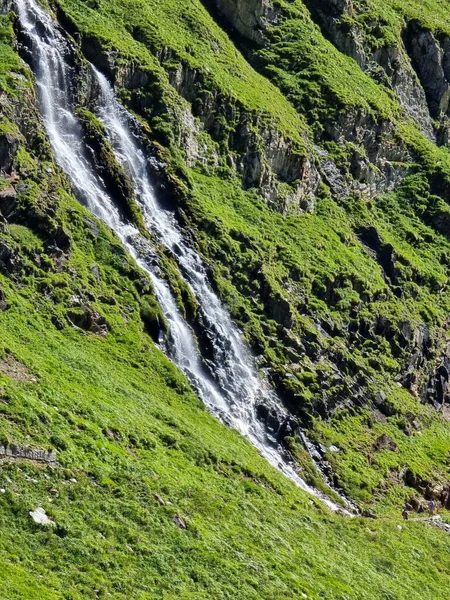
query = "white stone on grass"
x=40 y=517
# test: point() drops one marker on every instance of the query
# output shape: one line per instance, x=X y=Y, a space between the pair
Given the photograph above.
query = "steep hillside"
x=303 y=150
x=336 y=217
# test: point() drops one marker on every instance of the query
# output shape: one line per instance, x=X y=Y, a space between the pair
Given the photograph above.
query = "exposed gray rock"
x=249 y=17
x=9 y=145
x=375 y=167
x=404 y=82
x=8 y=202
x=397 y=72
x=89 y=319
x=265 y=157
x=40 y=517
x=332 y=175
x=16 y=451
x=347 y=38
x=432 y=64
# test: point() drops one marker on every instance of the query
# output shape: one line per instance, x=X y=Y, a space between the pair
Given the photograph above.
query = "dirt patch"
x=16 y=370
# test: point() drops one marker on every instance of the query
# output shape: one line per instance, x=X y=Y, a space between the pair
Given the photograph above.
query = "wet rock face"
x=6 y=6
x=278 y=424
x=258 y=153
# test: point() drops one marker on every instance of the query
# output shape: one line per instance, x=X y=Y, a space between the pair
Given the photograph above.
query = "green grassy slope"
x=128 y=438
x=151 y=496
x=298 y=259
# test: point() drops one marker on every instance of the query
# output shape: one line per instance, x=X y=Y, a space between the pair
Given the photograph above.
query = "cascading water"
x=233 y=387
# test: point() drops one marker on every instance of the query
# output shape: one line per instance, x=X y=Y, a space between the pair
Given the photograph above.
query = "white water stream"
x=232 y=388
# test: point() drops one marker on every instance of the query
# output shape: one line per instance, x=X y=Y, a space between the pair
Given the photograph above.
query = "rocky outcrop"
x=248 y=17
x=384 y=253
x=431 y=60
x=8 y=202
x=258 y=151
x=10 y=261
x=396 y=73
x=375 y=164
x=85 y=317
x=9 y=144
x=284 y=174
x=377 y=153
x=345 y=36
x=18 y=452
x=278 y=423
x=428 y=489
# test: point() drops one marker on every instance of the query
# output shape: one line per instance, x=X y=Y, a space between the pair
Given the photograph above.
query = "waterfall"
x=231 y=389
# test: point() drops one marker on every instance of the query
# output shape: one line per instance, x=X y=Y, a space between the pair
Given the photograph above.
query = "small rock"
x=399 y=527
x=333 y=448
x=2 y=491
x=159 y=499
x=40 y=517
x=384 y=442
x=179 y=521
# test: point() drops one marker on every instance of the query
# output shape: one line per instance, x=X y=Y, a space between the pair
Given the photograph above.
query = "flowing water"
x=228 y=382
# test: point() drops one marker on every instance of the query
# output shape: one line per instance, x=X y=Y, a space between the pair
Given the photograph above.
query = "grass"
x=137 y=453
x=315 y=264
x=130 y=434
x=142 y=31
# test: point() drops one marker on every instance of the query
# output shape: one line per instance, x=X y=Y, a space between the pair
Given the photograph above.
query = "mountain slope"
x=342 y=285
x=344 y=298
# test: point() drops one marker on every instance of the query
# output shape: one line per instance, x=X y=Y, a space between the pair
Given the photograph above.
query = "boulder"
x=9 y=144
x=8 y=202
x=89 y=319
x=384 y=442
x=40 y=517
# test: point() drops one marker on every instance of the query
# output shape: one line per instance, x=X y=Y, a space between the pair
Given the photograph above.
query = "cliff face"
x=304 y=154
